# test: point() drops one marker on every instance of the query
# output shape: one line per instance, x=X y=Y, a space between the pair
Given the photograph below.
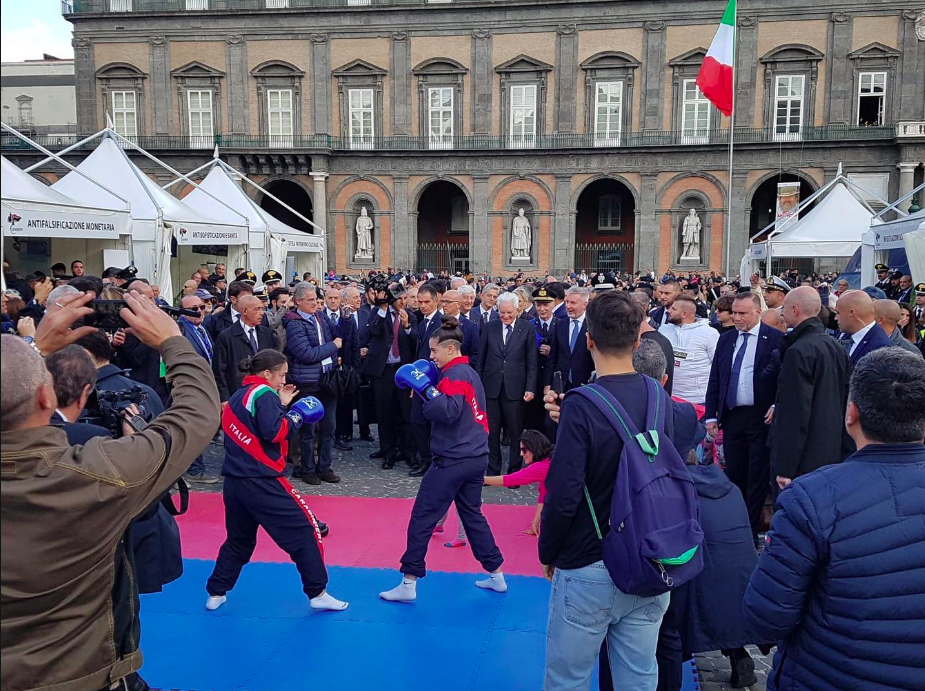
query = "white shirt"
x=429 y=318
x=694 y=346
x=485 y=315
x=505 y=330
x=858 y=336
x=235 y=315
x=745 y=394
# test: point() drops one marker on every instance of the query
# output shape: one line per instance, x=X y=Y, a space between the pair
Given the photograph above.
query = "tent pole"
x=64 y=151
x=192 y=172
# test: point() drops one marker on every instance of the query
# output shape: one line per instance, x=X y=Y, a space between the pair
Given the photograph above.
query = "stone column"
x=320 y=215
x=482 y=82
x=562 y=231
x=400 y=73
x=238 y=100
x=906 y=182
x=566 y=79
x=403 y=244
x=321 y=100
x=160 y=85
x=647 y=230
x=839 y=96
x=480 y=237
x=653 y=75
x=738 y=240
x=747 y=71
x=85 y=84
x=912 y=66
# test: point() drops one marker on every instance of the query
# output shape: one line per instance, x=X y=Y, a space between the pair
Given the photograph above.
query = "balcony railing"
x=122 y=6
x=473 y=142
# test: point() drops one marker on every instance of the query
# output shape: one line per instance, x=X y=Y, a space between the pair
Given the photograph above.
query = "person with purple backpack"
x=620 y=526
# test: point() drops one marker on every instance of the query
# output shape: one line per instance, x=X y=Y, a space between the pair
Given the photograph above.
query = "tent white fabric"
x=32 y=209
x=157 y=214
x=832 y=229
x=889 y=235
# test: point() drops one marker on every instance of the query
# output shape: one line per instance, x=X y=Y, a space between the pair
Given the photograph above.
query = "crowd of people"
x=792 y=392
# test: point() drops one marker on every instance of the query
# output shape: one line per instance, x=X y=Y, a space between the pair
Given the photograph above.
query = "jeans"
x=585 y=608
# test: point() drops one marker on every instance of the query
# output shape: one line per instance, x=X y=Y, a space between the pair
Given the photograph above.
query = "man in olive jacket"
x=68 y=604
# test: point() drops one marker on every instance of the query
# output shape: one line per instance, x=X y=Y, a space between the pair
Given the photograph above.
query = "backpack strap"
x=617 y=416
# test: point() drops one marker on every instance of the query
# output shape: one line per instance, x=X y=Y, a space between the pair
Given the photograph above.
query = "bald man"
x=450 y=305
x=854 y=313
x=888 y=314
x=239 y=341
x=774 y=319
x=812 y=393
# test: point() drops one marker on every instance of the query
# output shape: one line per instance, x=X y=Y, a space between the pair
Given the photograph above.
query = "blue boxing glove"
x=305 y=411
x=410 y=377
x=429 y=367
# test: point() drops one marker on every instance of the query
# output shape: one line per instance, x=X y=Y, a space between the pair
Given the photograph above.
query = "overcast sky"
x=33 y=27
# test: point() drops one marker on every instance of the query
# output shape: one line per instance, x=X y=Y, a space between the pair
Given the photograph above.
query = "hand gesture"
x=544 y=349
x=552 y=404
x=54 y=331
x=42 y=290
x=548 y=572
x=25 y=327
x=149 y=323
x=782 y=482
x=130 y=410
x=405 y=319
x=528 y=396
x=287 y=393
x=118 y=338
x=769 y=416
x=364 y=352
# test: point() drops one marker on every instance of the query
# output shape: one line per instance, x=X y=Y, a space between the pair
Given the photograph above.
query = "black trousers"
x=365 y=402
x=393 y=410
x=271 y=503
x=323 y=430
x=748 y=465
x=344 y=427
x=421 y=432
x=442 y=485
x=509 y=415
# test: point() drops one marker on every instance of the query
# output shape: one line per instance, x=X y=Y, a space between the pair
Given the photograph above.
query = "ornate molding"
x=840 y=17
x=80 y=42
x=157 y=40
x=234 y=39
x=566 y=29
x=319 y=38
x=481 y=33
x=747 y=22
x=656 y=25
x=920 y=26
x=911 y=15
x=399 y=36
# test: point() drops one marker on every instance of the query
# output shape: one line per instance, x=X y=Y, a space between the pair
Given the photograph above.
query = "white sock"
x=495 y=581
x=215 y=601
x=407 y=591
x=326 y=601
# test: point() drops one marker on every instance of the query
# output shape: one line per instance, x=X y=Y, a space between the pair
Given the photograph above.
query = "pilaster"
x=402 y=244
x=160 y=86
x=480 y=239
x=400 y=76
x=838 y=80
x=236 y=54
x=85 y=81
x=321 y=100
x=566 y=79
x=483 y=80
x=653 y=75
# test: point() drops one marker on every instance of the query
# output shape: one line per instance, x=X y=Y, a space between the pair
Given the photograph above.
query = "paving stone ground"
x=362 y=476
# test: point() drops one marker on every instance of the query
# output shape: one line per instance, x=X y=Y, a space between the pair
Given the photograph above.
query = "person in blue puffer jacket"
x=840 y=582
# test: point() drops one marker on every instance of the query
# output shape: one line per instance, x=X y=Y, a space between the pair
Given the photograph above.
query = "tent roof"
x=905 y=224
x=19 y=185
x=832 y=229
x=110 y=166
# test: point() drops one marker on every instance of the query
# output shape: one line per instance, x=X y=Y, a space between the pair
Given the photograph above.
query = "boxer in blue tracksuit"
x=455 y=407
x=255 y=491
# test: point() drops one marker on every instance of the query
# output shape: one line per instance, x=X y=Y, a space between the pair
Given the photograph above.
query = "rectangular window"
x=523 y=116
x=279 y=116
x=871 y=98
x=197 y=4
x=361 y=118
x=788 y=106
x=277 y=4
x=608 y=213
x=120 y=5
x=695 y=114
x=359 y=2
x=200 y=119
x=440 y=117
x=124 y=113
x=608 y=113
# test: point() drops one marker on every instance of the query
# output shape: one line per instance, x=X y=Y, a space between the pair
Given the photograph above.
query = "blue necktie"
x=206 y=341
x=732 y=393
x=573 y=339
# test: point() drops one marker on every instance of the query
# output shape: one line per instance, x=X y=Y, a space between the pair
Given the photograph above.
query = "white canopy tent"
x=157 y=216
x=906 y=232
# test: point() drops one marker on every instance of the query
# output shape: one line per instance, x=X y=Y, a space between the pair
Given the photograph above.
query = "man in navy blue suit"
x=450 y=306
x=430 y=321
x=855 y=316
x=568 y=347
x=739 y=400
x=195 y=333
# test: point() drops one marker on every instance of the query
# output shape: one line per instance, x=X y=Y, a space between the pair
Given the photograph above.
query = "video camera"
x=393 y=286
x=107 y=408
x=106 y=314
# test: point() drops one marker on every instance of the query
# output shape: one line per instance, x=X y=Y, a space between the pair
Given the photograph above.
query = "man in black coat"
x=243 y=339
x=430 y=320
x=812 y=392
x=216 y=323
x=349 y=332
x=143 y=362
x=450 y=305
x=739 y=399
x=507 y=365
x=568 y=352
x=543 y=304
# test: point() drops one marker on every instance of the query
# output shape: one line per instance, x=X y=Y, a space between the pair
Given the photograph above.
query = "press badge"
x=678 y=356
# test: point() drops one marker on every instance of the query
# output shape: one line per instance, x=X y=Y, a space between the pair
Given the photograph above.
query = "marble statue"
x=690 y=236
x=364 y=230
x=521 y=237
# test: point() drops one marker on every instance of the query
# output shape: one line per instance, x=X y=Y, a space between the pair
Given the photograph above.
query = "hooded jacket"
x=694 y=345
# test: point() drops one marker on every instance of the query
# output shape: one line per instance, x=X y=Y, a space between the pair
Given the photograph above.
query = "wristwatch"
x=31 y=342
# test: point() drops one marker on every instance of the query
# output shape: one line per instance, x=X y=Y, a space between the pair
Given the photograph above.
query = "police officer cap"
x=920 y=288
x=603 y=287
x=881 y=267
x=128 y=273
x=271 y=276
x=777 y=284
x=896 y=274
x=248 y=277
x=542 y=295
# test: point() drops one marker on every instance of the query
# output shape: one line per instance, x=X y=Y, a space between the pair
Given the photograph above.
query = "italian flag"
x=715 y=76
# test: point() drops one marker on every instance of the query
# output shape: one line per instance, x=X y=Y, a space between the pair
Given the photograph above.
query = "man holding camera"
x=73 y=626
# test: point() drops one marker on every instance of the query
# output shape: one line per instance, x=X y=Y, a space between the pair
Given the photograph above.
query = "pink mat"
x=369 y=533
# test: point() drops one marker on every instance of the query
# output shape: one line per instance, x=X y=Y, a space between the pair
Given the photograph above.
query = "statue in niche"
x=690 y=237
x=521 y=237
x=364 y=230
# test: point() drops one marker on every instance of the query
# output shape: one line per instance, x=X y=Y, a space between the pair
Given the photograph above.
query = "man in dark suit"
x=391 y=344
x=568 y=346
x=237 y=342
x=365 y=401
x=485 y=310
x=739 y=399
x=143 y=362
x=855 y=316
x=507 y=366
x=557 y=290
x=543 y=303
x=349 y=331
x=192 y=329
x=665 y=293
x=467 y=310
x=449 y=305
x=430 y=320
x=216 y=323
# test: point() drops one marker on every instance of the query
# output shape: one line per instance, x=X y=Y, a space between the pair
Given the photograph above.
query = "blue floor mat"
x=456 y=637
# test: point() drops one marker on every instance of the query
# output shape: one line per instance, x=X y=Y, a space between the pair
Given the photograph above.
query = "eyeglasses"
x=201 y=308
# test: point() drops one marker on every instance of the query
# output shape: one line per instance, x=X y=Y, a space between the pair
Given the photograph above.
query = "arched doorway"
x=605 y=227
x=764 y=199
x=443 y=228
x=295 y=196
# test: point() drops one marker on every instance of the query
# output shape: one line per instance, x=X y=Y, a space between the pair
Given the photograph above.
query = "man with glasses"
x=241 y=340
x=195 y=333
x=450 y=305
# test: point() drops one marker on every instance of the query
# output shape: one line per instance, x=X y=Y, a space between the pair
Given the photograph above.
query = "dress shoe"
x=377 y=454
x=743 y=672
x=388 y=464
x=310 y=478
x=419 y=471
x=367 y=437
x=341 y=445
x=328 y=476
x=323 y=528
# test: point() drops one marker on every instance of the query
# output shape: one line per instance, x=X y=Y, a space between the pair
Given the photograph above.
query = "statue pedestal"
x=520 y=260
x=692 y=261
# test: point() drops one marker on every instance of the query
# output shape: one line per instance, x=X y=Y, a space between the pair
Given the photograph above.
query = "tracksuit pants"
x=450 y=481
x=271 y=503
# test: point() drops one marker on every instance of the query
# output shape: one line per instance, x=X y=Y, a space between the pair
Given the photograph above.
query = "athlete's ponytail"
x=264 y=360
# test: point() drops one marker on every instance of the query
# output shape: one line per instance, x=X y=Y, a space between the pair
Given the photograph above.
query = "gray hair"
x=577 y=290
x=508 y=299
x=467 y=290
x=886 y=384
x=22 y=372
x=302 y=289
x=492 y=287
x=60 y=292
x=351 y=292
x=457 y=282
x=524 y=294
x=649 y=359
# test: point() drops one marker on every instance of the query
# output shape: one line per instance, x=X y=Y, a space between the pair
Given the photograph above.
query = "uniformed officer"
x=775 y=292
x=545 y=301
x=883 y=277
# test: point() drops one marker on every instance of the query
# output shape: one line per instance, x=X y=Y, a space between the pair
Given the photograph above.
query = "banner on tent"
x=23 y=222
x=788 y=199
x=888 y=241
x=202 y=234
x=302 y=243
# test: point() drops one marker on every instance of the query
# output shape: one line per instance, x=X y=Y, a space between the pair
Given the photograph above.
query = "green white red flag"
x=715 y=76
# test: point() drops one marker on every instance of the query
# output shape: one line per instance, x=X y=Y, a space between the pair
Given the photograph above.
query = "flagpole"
x=732 y=121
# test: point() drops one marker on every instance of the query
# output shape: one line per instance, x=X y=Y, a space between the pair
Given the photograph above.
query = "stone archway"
x=293 y=194
x=605 y=226
x=763 y=201
x=443 y=219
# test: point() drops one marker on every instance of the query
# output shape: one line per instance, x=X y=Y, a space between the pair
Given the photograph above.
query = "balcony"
x=905 y=130
x=72 y=7
x=627 y=140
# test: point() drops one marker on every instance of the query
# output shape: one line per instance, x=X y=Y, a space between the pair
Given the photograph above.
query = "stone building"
x=444 y=119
